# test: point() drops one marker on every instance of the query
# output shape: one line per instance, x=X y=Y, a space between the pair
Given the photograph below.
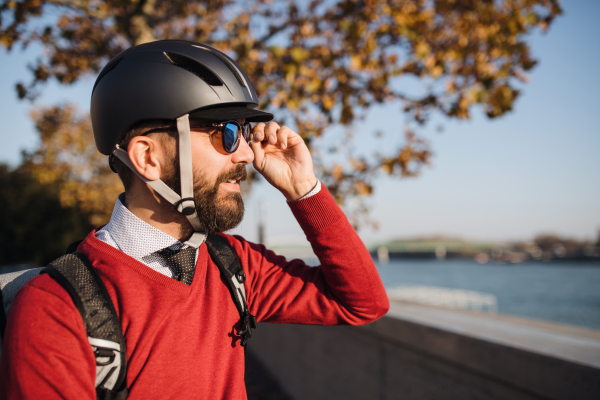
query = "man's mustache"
x=237 y=173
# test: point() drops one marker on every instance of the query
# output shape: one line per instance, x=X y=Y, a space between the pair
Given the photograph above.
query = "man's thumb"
x=259 y=154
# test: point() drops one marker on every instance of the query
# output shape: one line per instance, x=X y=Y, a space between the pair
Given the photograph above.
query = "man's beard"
x=217 y=213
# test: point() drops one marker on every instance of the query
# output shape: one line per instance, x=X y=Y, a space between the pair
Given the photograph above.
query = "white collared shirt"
x=138 y=239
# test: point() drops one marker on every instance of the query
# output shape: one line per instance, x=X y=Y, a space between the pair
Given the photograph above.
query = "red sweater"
x=181 y=340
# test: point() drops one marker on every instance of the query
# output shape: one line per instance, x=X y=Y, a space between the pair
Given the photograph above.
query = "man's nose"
x=244 y=154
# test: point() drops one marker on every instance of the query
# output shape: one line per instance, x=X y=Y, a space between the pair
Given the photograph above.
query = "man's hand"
x=281 y=156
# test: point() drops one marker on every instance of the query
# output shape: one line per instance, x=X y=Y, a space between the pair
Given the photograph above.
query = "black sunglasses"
x=229 y=131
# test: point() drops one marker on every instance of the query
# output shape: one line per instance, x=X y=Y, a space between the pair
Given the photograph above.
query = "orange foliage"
x=67 y=157
x=313 y=64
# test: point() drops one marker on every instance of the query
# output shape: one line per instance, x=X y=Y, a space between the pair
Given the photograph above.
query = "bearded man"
x=174 y=118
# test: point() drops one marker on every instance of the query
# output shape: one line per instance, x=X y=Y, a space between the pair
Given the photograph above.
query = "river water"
x=565 y=292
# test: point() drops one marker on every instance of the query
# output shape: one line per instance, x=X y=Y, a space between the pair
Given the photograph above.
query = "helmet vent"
x=195 y=68
x=227 y=62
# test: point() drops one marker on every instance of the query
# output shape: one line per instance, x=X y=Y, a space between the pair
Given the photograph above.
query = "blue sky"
x=535 y=170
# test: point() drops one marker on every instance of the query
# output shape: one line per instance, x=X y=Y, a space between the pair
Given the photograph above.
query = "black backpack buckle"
x=248 y=323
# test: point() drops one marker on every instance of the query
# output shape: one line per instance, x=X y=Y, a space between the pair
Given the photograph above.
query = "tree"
x=67 y=158
x=34 y=225
x=313 y=64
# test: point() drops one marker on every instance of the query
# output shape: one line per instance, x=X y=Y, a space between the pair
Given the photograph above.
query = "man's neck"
x=151 y=208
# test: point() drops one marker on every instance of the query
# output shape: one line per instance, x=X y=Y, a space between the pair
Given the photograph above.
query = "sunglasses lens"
x=231 y=137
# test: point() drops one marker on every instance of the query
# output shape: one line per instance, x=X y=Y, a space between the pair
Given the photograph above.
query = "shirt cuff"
x=314 y=191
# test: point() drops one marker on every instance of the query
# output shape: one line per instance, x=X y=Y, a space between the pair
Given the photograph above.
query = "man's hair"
x=138 y=129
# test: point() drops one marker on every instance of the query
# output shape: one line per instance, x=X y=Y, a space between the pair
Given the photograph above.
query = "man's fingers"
x=271 y=132
x=282 y=136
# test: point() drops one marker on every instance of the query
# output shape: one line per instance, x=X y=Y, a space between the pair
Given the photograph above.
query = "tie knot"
x=182 y=262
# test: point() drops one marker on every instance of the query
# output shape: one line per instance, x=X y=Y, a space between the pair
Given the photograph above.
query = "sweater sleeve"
x=344 y=289
x=45 y=353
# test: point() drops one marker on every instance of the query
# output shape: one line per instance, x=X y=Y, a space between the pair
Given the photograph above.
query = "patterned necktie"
x=182 y=262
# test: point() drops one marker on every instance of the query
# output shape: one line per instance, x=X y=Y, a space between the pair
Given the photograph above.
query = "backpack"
x=76 y=274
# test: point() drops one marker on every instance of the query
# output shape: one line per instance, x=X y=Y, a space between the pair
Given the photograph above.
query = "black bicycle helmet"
x=165 y=80
x=176 y=80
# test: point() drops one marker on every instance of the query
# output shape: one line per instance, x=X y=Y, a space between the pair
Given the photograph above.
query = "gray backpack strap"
x=2 y=321
x=223 y=254
x=76 y=274
x=10 y=284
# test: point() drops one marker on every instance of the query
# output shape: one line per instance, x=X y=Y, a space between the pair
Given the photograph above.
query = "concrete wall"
x=418 y=352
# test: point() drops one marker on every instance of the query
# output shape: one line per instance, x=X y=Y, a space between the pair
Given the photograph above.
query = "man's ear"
x=147 y=156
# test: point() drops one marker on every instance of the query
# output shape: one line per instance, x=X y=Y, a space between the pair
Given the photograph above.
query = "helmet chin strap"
x=185 y=203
